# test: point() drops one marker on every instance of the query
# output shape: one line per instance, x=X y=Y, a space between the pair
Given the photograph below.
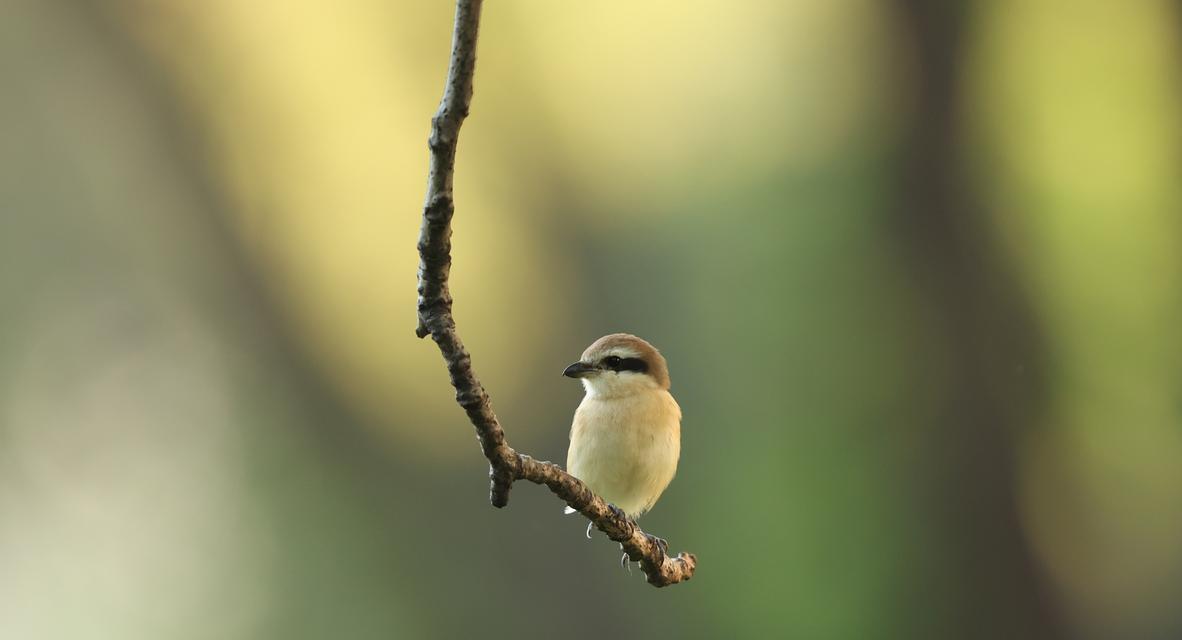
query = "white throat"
x=610 y=384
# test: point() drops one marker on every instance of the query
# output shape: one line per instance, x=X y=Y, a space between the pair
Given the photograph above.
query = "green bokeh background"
x=915 y=266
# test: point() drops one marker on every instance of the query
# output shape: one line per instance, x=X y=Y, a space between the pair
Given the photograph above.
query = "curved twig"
x=435 y=319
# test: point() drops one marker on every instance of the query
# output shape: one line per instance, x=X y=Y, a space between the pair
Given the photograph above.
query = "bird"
x=625 y=439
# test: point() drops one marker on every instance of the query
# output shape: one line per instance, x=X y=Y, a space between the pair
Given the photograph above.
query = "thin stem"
x=435 y=319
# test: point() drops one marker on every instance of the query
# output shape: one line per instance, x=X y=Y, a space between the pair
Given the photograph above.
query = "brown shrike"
x=626 y=435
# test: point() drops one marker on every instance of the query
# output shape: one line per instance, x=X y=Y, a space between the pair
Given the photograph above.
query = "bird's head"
x=620 y=364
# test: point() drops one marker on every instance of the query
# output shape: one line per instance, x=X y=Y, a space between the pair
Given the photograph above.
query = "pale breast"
x=626 y=449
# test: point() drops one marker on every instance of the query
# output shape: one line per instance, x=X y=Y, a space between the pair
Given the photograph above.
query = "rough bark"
x=435 y=319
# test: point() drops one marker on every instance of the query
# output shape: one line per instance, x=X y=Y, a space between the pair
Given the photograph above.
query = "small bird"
x=626 y=436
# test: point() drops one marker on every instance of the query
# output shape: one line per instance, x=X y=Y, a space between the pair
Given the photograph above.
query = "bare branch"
x=435 y=319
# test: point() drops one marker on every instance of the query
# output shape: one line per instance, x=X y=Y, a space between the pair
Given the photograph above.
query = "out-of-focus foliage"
x=1080 y=127
x=215 y=420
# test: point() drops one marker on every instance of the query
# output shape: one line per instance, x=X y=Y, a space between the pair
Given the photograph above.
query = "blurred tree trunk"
x=983 y=344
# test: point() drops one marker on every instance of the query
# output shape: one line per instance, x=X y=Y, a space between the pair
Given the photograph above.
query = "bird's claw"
x=589 y=525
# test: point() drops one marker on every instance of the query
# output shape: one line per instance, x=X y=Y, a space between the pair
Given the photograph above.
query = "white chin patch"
x=610 y=383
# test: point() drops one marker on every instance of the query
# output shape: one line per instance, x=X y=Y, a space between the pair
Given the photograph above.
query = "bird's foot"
x=660 y=542
x=629 y=522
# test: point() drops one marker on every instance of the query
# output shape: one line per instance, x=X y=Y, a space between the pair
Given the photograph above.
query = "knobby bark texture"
x=506 y=465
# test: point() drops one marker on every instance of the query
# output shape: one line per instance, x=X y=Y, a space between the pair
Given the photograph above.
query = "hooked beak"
x=580 y=370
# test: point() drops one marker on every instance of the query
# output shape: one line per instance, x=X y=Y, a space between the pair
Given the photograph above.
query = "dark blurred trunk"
x=983 y=357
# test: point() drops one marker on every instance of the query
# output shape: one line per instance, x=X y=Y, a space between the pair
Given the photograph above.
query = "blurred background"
x=915 y=266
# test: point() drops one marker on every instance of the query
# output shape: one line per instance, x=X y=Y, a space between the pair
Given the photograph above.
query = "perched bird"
x=626 y=436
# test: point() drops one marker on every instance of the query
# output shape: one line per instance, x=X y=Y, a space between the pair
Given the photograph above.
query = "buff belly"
x=623 y=450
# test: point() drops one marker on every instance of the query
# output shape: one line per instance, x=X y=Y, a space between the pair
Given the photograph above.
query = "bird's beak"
x=580 y=370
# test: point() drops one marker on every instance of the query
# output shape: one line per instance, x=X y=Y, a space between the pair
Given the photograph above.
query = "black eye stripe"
x=616 y=363
x=633 y=364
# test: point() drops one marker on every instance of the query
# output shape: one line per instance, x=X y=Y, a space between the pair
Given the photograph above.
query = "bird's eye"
x=612 y=362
